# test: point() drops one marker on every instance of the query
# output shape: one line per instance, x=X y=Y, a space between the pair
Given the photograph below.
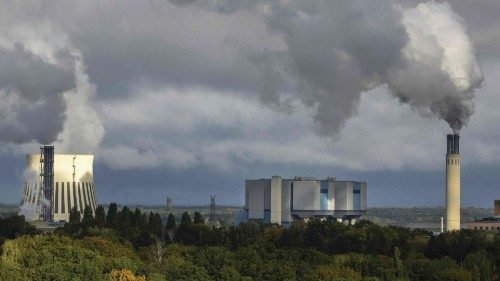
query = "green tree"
x=215 y=258
x=186 y=219
x=124 y=221
x=198 y=218
x=14 y=226
x=178 y=268
x=422 y=269
x=334 y=273
x=59 y=258
x=398 y=264
x=136 y=218
x=74 y=216
x=170 y=222
x=100 y=215
x=11 y=273
x=479 y=264
x=112 y=216
x=158 y=227
x=88 y=217
x=229 y=273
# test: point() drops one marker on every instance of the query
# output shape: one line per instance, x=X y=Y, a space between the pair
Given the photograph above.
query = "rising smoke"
x=45 y=95
x=336 y=50
x=438 y=70
x=333 y=52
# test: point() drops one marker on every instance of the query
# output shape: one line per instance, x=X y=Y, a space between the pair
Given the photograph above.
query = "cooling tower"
x=453 y=183
x=72 y=186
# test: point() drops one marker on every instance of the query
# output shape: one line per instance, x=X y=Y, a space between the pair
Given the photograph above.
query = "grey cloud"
x=32 y=106
x=336 y=50
x=323 y=53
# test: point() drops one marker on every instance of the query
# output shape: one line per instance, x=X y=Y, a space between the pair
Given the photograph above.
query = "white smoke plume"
x=323 y=53
x=30 y=207
x=45 y=95
x=439 y=71
x=336 y=50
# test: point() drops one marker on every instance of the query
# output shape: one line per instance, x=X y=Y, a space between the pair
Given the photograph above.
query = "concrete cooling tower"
x=55 y=183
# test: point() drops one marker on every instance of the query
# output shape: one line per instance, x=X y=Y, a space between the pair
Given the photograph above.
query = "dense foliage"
x=131 y=245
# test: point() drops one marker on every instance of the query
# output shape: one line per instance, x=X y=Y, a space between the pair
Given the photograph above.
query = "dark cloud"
x=32 y=106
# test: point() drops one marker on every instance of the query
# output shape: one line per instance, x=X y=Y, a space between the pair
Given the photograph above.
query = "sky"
x=189 y=98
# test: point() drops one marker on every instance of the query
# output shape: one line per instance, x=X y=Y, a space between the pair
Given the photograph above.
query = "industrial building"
x=490 y=223
x=283 y=201
x=55 y=183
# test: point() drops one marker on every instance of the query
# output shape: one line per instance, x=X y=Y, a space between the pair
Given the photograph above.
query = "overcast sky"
x=189 y=98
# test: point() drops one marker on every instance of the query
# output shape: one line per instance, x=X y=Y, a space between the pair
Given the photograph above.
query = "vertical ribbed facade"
x=73 y=186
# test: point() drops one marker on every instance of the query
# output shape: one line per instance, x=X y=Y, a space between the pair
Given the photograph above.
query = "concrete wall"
x=275 y=197
x=496 y=209
x=331 y=195
x=286 y=204
x=306 y=195
x=452 y=192
x=256 y=197
x=343 y=195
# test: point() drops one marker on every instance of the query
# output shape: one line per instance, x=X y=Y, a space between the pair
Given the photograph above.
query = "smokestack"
x=453 y=182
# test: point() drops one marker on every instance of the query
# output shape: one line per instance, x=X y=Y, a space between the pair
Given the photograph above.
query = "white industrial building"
x=72 y=184
x=282 y=201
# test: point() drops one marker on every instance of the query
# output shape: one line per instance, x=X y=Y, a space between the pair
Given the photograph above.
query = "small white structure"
x=73 y=186
x=278 y=200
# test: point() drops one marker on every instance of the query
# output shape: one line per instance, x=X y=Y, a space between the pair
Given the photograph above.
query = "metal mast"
x=47 y=181
x=211 y=216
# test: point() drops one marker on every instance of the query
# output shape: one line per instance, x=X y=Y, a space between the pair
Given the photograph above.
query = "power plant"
x=55 y=183
x=453 y=182
x=283 y=201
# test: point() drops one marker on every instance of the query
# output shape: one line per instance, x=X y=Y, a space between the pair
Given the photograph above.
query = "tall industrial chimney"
x=453 y=182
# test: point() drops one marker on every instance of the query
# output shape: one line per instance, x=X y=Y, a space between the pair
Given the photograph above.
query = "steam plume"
x=336 y=50
x=438 y=70
x=45 y=95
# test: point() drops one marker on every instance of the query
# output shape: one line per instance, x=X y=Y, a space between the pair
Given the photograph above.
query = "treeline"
x=139 y=245
x=13 y=227
x=141 y=229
